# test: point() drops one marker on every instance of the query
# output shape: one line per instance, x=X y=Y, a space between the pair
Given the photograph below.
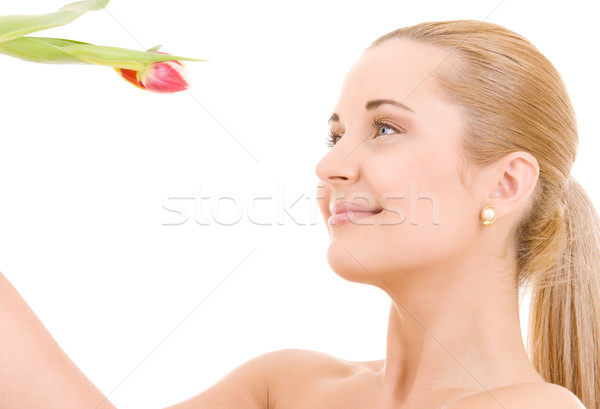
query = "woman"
x=447 y=186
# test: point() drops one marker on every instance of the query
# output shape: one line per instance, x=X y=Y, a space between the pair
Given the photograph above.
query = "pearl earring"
x=488 y=215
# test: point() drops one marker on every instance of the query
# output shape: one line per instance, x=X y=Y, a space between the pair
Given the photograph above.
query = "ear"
x=516 y=176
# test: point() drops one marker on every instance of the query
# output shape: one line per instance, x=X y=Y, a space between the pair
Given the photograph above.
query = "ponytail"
x=564 y=320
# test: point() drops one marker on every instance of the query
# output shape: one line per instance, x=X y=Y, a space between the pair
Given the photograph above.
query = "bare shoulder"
x=277 y=379
x=301 y=363
x=522 y=396
x=294 y=372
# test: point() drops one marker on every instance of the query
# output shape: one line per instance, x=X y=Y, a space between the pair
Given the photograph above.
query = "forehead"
x=400 y=69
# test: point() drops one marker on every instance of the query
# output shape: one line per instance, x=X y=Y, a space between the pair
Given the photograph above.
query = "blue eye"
x=380 y=126
x=384 y=128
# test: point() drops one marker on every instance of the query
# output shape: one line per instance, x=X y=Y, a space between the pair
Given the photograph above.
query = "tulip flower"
x=150 y=70
x=160 y=77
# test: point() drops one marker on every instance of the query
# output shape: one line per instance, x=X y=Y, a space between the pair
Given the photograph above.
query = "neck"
x=461 y=332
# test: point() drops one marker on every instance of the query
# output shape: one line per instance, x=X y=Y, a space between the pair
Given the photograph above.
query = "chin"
x=351 y=264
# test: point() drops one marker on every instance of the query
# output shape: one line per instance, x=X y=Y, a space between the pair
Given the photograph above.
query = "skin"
x=454 y=339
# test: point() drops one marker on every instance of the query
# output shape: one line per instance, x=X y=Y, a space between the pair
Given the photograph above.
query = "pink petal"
x=166 y=76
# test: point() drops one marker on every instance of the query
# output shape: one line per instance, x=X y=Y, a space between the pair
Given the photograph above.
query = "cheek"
x=436 y=201
x=440 y=221
x=411 y=179
x=429 y=219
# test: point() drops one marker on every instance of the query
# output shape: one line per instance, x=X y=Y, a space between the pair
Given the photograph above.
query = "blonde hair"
x=513 y=99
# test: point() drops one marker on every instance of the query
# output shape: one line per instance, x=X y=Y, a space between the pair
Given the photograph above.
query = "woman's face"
x=390 y=186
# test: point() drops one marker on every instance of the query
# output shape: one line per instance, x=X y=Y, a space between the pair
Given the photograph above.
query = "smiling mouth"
x=345 y=212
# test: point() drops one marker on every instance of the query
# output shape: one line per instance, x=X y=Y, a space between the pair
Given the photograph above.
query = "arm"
x=34 y=371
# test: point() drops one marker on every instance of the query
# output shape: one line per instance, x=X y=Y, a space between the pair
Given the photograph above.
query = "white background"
x=88 y=161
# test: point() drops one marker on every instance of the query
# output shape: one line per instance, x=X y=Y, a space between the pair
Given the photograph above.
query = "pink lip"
x=343 y=212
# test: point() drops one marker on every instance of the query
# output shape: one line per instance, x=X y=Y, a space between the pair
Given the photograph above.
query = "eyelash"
x=332 y=139
x=377 y=123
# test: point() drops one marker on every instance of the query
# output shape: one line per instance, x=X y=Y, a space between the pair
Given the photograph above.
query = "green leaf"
x=42 y=50
x=155 y=48
x=61 y=51
x=119 y=57
x=16 y=26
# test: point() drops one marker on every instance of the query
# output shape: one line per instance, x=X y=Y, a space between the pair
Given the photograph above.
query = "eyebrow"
x=377 y=102
x=374 y=104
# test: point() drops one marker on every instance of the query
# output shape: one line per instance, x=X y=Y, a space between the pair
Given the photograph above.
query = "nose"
x=337 y=167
